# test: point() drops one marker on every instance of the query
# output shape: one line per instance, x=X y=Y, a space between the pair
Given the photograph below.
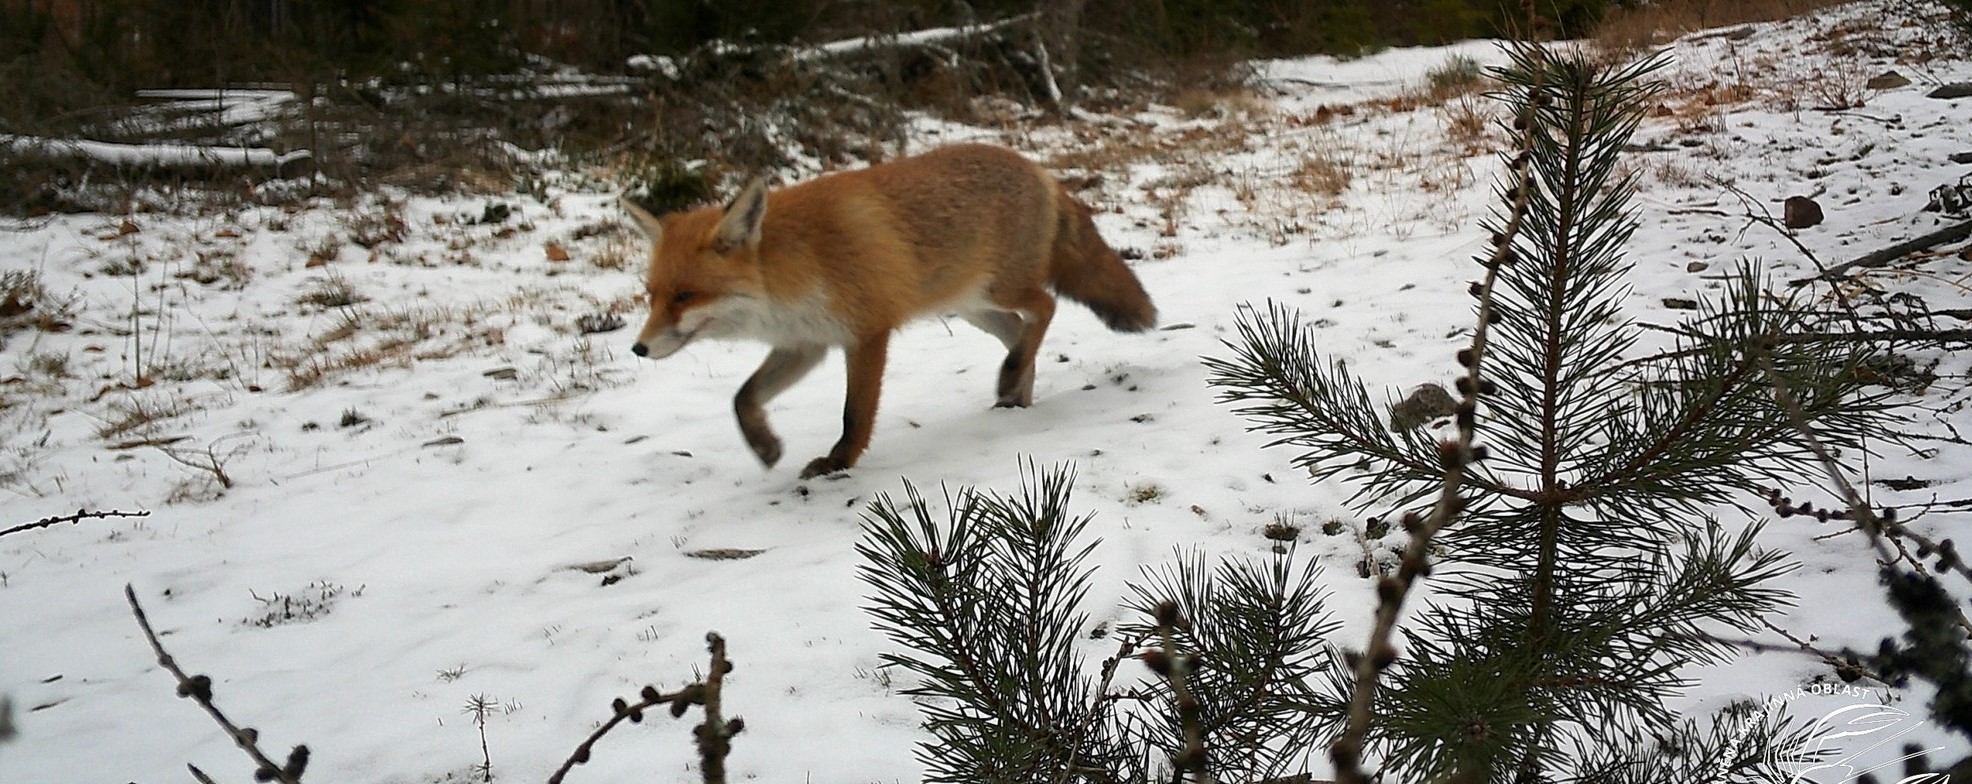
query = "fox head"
x=704 y=278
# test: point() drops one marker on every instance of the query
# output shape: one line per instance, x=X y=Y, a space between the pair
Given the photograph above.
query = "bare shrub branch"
x=199 y=689
x=714 y=735
x=79 y=516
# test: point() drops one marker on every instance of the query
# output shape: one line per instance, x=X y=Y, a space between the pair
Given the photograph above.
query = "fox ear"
x=740 y=227
x=646 y=222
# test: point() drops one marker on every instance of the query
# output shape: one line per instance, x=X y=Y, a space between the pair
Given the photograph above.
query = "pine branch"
x=988 y=605
x=1310 y=404
x=1704 y=422
x=1743 y=743
x=1256 y=631
x=1765 y=218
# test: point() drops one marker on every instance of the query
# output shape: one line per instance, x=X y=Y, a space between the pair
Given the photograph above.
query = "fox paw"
x=823 y=466
x=767 y=449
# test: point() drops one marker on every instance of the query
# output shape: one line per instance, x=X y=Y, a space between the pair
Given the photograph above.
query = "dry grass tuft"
x=330 y=291
x=1468 y=119
x=377 y=224
x=219 y=266
x=1458 y=76
x=26 y=304
x=617 y=253
x=139 y=412
x=1322 y=174
x=313 y=369
x=383 y=338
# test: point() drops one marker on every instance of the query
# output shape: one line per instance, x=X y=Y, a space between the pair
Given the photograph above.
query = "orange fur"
x=846 y=259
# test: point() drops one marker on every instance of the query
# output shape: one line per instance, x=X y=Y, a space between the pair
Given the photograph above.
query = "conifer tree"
x=1581 y=572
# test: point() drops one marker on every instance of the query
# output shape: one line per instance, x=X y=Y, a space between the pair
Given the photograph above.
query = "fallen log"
x=936 y=36
x=158 y=155
x=1885 y=256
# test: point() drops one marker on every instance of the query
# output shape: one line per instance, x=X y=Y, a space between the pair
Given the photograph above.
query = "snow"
x=1378 y=76
x=444 y=497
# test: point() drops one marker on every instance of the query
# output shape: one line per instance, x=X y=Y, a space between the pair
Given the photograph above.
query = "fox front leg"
x=784 y=366
x=866 y=359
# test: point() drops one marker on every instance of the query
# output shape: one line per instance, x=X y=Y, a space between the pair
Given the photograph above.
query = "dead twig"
x=1175 y=667
x=1883 y=530
x=199 y=689
x=1765 y=218
x=1453 y=455
x=1846 y=670
x=715 y=735
x=1102 y=700
x=79 y=516
x=706 y=693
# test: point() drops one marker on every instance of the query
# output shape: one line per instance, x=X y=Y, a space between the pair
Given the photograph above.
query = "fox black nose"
x=640 y=350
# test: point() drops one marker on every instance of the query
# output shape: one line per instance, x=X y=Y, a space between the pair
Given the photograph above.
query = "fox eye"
x=683 y=297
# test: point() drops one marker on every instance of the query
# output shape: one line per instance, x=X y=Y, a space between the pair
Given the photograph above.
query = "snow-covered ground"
x=424 y=449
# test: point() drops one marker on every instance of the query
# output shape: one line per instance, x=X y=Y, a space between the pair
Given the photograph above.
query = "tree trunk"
x=1061 y=32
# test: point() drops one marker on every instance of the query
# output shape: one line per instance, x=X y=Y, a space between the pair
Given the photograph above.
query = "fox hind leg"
x=1019 y=328
x=784 y=366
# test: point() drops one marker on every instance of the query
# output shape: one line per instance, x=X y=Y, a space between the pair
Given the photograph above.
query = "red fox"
x=846 y=259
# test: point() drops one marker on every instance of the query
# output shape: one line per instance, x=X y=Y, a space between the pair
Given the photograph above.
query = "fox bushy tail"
x=1088 y=271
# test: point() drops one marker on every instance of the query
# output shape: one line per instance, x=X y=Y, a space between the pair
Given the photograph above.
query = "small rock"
x=1426 y=402
x=1887 y=80
x=1741 y=34
x=593 y=323
x=599 y=567
x=1954 y=200
x=1697 y=266
x=1960 y=157
x=1680 y=303
x=1800 y=212
x=556 y=252
x=446 y=441
x=723 y=553
x=1950 y=91
x=502 y=374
